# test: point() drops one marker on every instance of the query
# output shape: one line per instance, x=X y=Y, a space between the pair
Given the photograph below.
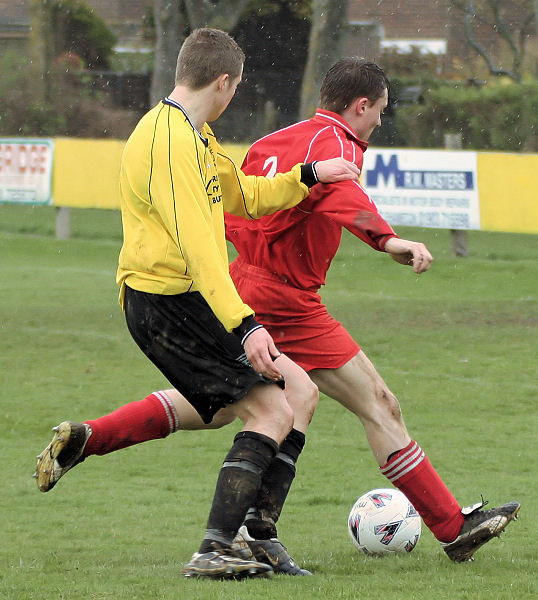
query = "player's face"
x=371 y=117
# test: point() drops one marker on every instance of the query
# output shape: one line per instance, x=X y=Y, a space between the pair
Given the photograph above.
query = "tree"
x=169 y=34
x=42 y=46
x=79 y=31
x=274 y=37
x=66 y=27
x=512 y=20
x=173 y=18
x=327 y=36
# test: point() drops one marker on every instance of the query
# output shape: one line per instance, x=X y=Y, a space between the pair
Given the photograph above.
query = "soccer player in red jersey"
x=283 y=260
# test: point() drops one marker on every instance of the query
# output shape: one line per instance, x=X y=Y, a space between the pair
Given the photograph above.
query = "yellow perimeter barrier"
x=85 y=174
x=508 y=192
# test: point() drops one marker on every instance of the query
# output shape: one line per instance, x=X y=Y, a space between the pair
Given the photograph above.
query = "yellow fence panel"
x=508 y=190
x=86 y=173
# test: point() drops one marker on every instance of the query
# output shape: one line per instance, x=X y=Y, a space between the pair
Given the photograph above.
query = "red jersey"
x=299 y=244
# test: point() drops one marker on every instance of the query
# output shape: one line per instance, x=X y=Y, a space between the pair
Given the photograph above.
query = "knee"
x=389 y=404
x=266 y=410
x=276 y=423
x=281 y=420
x=311 y=399
x=303 y=398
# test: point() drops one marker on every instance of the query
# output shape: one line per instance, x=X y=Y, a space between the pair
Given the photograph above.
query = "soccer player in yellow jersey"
x=184 y=312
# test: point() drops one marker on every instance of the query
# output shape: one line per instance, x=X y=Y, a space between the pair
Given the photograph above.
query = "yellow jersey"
x=175 y=183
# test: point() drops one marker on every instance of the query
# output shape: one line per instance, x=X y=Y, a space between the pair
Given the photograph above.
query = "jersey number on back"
x=271 y=162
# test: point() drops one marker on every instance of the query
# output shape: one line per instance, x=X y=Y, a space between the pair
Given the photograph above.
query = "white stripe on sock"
x=404 y=464
x=391 y=465
x=414 y=464
x=173 y=419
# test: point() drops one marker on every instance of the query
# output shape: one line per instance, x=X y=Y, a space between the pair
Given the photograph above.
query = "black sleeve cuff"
x=247 y=326
x=308 y=174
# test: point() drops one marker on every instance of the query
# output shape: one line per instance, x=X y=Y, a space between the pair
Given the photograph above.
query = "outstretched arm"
x=410 y=253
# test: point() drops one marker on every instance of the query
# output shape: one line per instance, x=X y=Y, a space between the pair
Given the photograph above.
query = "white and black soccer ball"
x=383 y=521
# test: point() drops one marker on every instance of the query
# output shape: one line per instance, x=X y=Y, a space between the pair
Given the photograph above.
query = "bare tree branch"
x=470 y=14
x=501 y=27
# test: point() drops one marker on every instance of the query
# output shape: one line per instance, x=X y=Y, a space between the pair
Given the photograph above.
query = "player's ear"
x=361 y=104
x=222 y=81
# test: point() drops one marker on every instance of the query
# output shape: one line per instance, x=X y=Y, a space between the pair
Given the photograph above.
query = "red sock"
x=148 y=419
x=412 y=473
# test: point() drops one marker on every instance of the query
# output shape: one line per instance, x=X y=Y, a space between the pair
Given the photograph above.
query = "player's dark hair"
x=351 y=78
x=206 y=54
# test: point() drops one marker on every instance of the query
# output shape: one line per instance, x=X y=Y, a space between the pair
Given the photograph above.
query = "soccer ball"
x=382 y=522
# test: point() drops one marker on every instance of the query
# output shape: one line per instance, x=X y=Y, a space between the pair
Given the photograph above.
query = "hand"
x=411 y=253
x=336 y=169
x=260 y=350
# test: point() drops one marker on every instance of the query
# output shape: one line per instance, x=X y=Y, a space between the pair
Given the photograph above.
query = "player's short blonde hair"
x=206 y=54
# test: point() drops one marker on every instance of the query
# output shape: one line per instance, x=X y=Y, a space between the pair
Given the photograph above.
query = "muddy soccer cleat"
x=479 y=527
x=62 y=454
x=219 y=564
x=270 y=552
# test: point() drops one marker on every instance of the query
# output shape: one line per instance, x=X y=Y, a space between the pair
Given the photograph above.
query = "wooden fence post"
x=63 y=229
x=459 y=236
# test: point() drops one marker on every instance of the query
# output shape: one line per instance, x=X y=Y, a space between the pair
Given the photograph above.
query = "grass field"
x=457 y=345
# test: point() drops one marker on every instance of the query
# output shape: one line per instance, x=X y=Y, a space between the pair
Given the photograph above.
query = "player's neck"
x=196 y=103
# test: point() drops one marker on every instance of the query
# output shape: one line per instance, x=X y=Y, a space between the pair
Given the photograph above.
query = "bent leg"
x=156 y=416
x=359 y=388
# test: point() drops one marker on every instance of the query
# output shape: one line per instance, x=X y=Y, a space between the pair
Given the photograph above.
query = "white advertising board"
x=424 y=188
x=26 y=171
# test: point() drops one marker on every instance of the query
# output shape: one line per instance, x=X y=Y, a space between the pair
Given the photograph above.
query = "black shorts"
x=184 y=339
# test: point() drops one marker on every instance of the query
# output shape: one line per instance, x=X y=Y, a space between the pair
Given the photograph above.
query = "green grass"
x=457 y=345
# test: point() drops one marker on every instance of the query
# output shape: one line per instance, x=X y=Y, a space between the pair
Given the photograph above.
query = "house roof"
x=16 y=13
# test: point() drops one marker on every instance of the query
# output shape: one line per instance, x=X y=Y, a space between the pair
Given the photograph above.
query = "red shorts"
x=296 y=319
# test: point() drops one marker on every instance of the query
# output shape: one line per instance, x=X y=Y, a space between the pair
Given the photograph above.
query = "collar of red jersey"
x=335 y=119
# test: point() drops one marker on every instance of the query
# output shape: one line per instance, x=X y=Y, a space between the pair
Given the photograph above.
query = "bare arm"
x=410 y=253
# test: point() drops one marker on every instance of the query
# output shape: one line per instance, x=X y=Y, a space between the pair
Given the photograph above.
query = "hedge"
x=496 y=117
